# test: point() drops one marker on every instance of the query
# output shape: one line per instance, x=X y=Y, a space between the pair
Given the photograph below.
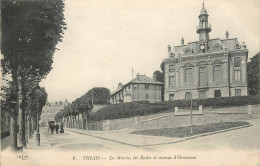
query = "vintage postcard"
x=133 y=82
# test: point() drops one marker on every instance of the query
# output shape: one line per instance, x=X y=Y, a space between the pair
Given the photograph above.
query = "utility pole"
x=37 y=122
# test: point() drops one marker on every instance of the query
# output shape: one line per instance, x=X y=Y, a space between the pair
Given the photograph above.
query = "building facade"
x=50 y=110
x=141 y=88
x=206 y=68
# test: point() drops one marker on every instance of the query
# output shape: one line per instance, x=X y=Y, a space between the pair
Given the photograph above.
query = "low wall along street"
x=169 y=120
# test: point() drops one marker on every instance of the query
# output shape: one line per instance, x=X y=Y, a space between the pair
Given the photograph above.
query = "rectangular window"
x=217 y=73
x=203 y=76
x=171 y=68
x=237 y=62
x=237 y=92
x=146 y=86
x=237 y=75
x=147 y=96
x=129 y=87
x=202 y=94
x=188 y=76
x=171 y=81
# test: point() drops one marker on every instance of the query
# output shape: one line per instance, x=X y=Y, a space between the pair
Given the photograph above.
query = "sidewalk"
x=32 y=155
x=44 y=143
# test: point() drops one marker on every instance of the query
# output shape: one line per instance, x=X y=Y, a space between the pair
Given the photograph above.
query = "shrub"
x=139 y=108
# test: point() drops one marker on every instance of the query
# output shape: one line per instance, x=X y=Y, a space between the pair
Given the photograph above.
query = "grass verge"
x=185 y=130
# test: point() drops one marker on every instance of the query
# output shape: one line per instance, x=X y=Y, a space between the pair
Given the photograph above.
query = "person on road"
x=57 y=128
x=52 y=128
x=61 y=128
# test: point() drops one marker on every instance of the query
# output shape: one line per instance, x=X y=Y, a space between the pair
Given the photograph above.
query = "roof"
x=117 y=91
x=203 y=10
x=144 y=79
x=215 y=45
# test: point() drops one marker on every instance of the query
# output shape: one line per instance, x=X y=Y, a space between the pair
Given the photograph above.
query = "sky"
x=105 y=39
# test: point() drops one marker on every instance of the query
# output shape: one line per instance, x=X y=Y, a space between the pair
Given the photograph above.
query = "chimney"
x=120 y=85
x=154 y=77
x=169 y=49
x=227 y=34
x=182 y=41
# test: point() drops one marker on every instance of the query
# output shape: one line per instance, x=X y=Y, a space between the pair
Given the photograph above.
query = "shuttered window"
x=188 y=76
x=217 y=73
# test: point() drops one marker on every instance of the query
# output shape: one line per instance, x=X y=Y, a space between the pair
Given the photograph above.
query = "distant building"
x=139 y=89
x=50 y=110
x=206 y=68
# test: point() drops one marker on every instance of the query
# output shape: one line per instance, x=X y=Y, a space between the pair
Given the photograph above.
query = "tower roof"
x=203 y=10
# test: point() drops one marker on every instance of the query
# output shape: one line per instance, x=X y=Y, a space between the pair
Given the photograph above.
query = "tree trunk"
x=78 y=122
x=83 y=122
x=14 y=73
x=86 y=120
x=13 y=133
x=26 y=128
x=30 y=126
x=23 y=118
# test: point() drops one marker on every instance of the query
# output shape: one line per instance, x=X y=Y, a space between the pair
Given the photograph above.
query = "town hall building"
x=207 y=68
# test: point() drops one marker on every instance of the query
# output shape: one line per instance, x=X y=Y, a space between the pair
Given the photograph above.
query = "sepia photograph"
x=130 y=82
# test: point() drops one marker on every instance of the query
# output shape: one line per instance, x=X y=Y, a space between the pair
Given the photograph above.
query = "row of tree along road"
x=30 y=32
x=83 y=106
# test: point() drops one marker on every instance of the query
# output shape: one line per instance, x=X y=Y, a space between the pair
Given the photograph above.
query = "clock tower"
x=203 y=30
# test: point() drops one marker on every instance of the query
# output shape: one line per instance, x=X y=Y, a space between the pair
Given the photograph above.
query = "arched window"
x=188 y=95
x=171 y=97
x=217 y=93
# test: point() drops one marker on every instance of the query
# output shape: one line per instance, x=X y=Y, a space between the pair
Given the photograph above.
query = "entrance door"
x=203 y=76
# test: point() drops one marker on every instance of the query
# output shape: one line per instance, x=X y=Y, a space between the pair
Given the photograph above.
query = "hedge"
x=139 y=108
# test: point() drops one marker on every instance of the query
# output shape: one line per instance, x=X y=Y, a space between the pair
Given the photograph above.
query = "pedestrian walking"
x=57 y=128
x=61 y=128
x=52 y=128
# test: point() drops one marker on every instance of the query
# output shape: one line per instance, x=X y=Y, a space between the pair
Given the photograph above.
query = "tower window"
x=237 y=75
x=146 y=96
x=146 y=86
x=237 y=62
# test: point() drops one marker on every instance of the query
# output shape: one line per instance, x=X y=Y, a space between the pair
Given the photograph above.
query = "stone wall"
x=210 y=115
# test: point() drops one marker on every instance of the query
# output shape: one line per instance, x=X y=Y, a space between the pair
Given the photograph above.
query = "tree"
x=31 y=31
x=100 y=95
x=253 y=75
x=160 y=78
x=37 y=98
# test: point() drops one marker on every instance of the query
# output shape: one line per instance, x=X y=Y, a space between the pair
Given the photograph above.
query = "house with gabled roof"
x=141 y=88
x=206 y=68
